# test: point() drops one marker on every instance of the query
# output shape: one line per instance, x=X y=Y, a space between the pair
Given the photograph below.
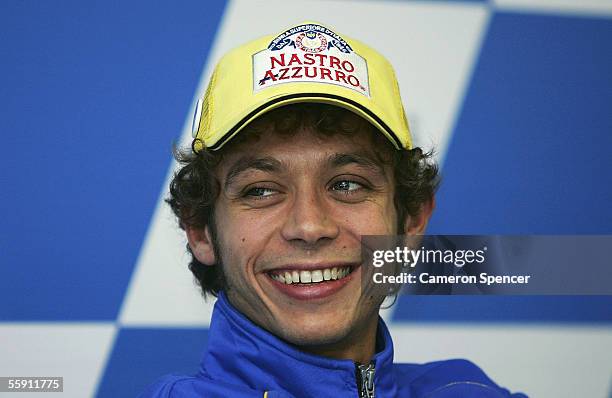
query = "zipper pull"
x=365 y=380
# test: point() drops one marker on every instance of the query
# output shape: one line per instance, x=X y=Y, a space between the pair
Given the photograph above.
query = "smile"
x=310 y=276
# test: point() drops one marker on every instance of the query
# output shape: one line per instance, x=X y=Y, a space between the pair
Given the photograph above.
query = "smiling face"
x=289 y=218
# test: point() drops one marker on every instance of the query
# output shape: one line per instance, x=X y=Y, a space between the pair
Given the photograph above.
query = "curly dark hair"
x=195 y=187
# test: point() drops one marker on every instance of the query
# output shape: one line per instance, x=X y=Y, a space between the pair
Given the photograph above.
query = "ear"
x=201 y=245
x=416 y=224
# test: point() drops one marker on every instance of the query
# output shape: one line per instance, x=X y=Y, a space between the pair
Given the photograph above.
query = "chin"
x=314 y=331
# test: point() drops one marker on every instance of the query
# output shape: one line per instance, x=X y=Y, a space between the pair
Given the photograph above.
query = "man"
x=301 y=146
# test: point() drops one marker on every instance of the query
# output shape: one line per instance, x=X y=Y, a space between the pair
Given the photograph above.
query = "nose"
x=309 y=222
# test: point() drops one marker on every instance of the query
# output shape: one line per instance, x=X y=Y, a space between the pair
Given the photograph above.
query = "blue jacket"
x=243 y=360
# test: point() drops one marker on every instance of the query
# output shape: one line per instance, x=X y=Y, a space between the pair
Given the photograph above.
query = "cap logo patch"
x=310 y=53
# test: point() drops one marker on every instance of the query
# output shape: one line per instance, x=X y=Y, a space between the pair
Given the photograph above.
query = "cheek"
x=243 y=236
x=371 y=218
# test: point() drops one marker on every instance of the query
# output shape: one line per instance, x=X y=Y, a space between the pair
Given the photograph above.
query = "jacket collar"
x=241 y=353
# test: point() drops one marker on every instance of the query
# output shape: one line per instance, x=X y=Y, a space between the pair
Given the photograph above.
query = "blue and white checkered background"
x=516 y=95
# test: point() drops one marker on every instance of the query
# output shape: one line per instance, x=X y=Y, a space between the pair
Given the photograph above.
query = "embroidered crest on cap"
x=310 y=53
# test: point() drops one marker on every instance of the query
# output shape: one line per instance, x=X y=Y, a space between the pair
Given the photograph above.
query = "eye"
x=346 y=186
x=259 y=192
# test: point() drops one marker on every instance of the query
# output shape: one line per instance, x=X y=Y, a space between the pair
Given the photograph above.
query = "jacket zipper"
x=365 y=380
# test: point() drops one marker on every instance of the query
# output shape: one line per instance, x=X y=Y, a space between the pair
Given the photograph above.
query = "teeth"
x=314 y=276
x=317 y=276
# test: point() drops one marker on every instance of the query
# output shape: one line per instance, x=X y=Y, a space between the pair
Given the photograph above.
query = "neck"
x=359 y=346
x=242 y=353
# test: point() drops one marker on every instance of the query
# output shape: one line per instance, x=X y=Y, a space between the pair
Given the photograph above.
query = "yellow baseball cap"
x=306 y=63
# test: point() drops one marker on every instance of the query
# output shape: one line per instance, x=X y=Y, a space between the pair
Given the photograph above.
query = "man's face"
x=297 y=206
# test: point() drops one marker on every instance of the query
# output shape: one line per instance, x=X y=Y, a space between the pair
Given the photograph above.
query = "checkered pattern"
x=515 y=95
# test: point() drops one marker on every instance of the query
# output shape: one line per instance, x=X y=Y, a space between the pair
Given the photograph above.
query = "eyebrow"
x=343 y=159
x=267 y=164
x=272 y=165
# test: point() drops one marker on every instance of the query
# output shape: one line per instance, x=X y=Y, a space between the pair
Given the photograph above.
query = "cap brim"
x=322 y=98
